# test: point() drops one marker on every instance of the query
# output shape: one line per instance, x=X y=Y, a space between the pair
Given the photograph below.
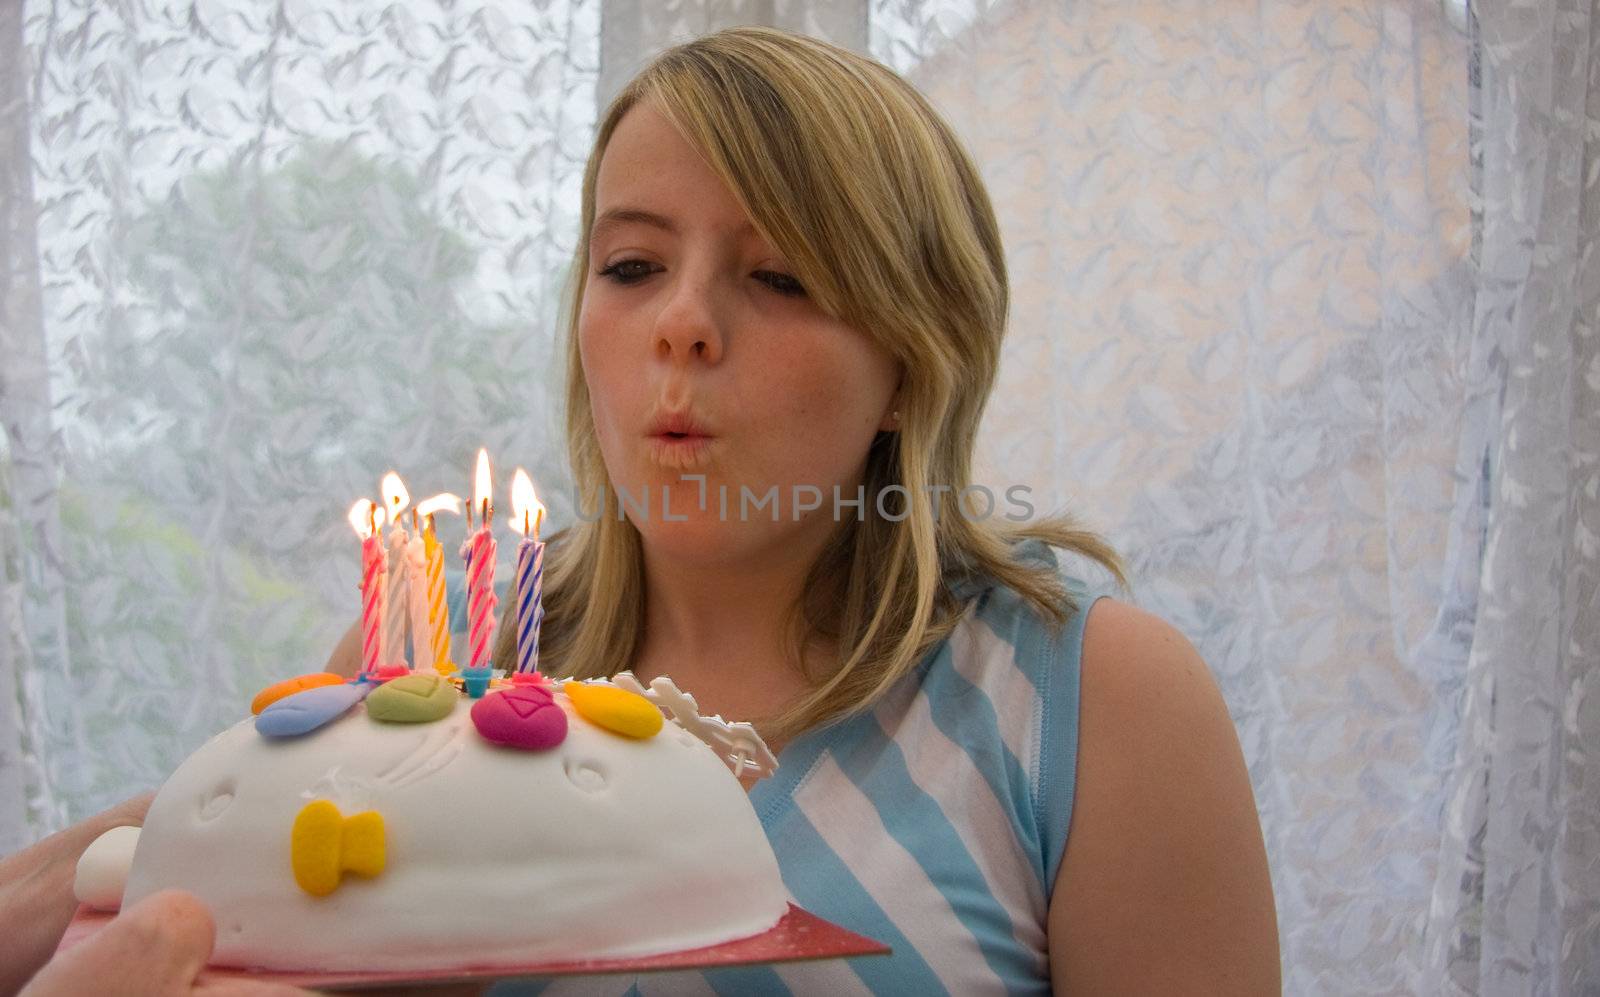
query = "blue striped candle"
x=530 y=613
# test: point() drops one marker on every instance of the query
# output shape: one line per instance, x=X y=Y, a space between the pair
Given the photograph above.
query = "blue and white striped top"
x=933 y=822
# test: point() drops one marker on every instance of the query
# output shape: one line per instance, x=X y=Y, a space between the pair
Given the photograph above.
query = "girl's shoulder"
x=1038 y=646
x=1153 y=717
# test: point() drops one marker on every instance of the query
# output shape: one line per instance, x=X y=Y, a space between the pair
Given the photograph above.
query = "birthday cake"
x=444 y=818
x=406 y=824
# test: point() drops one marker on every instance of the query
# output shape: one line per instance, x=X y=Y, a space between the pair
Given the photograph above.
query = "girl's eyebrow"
x=622 y=216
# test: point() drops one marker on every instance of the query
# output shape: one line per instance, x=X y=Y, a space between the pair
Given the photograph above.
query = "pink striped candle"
x=367 y=519
x=481 y=599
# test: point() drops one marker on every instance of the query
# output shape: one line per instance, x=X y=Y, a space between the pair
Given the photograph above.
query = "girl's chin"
x=707 y=539
x=694 y=525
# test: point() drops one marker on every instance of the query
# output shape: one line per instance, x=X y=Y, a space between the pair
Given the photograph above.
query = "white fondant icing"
x=103 y=868
x=604 y=846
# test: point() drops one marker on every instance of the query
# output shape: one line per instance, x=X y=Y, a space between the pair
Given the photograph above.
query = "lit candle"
x=367 y=519
x=527 y=511
x=395 y=500
x=475 y=680
x=416 y=577
x=438 y=607
x=480 y=570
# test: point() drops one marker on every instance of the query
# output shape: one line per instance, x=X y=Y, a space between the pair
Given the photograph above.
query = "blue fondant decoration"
x=305 y=711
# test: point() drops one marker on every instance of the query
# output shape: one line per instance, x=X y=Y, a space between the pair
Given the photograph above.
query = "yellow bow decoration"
x=325 y=845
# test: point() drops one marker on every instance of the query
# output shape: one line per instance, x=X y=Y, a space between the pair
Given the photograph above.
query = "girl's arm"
x=346 y=657
x=1164 y=886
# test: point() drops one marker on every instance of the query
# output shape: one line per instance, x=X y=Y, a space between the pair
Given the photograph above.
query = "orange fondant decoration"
x=617 y=710
x=288 y=687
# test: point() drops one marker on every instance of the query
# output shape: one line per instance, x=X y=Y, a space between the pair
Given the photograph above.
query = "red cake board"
x=799 y=935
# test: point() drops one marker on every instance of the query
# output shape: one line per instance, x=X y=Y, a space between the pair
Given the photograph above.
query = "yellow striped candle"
x=438 y=619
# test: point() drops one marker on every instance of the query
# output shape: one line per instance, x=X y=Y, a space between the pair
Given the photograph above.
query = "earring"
x=895 y=415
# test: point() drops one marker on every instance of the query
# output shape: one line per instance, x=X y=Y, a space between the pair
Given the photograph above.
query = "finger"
x=175 y=928
x=157 y=946
x=137 y=807
x=131 y=811
x=248 y=988
x=467 y=989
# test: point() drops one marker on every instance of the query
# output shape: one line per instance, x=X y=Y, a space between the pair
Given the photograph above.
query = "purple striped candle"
x=526 y=515
x=530 y=572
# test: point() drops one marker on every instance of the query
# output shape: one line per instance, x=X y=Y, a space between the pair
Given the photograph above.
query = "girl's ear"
x=891 y=422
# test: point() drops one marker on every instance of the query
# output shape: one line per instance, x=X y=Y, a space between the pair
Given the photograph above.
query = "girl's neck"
x=707 y=612
x=718 y=629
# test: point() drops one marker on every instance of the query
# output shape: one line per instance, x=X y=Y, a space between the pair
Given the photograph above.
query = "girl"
x=786 y=313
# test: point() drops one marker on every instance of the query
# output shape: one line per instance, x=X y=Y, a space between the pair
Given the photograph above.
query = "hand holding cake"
x=157 y=948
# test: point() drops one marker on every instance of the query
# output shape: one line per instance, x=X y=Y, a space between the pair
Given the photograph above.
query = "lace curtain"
x=1304 y=319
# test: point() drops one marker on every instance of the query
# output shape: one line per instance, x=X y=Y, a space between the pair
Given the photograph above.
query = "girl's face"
x=689 y=314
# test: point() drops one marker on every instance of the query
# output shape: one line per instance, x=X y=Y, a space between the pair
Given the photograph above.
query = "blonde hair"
x=850 y=173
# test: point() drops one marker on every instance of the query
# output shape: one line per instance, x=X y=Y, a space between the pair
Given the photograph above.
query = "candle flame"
x=526 y=509
x=443 y=502
x=483 y=488
x=395 y=496
x=365 y=517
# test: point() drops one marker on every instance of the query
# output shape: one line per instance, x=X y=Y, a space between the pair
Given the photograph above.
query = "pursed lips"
x=680 y=439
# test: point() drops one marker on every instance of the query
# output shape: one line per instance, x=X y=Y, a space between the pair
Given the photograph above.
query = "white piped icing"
x=604 y=846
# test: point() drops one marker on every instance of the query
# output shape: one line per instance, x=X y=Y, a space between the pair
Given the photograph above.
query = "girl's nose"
x=689 y=326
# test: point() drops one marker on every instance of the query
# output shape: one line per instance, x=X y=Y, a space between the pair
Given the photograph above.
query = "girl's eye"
x=615 y=271
x=782 y=283
x=622 y=273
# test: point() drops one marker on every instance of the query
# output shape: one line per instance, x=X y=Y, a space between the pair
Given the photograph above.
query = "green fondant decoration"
x=413 y=699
